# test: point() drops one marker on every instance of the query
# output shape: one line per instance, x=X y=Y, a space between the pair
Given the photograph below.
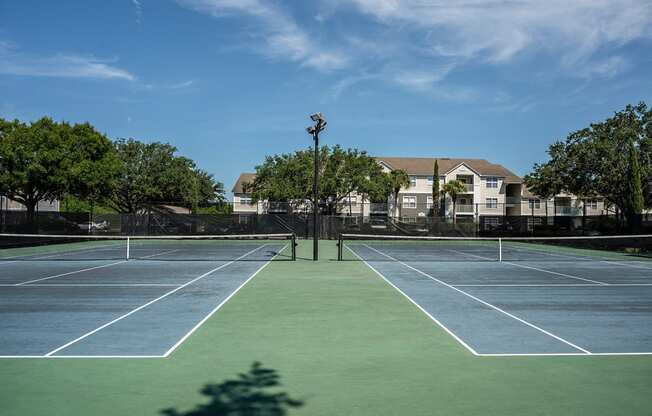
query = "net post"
x=294 y=246
x=340 y=243
x=128 y=243
x=500 y=249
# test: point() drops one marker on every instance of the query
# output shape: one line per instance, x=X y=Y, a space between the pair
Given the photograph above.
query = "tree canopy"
x=288 y=177
x=599 y=161
x=151 y=173
x=44 y=160
x=47 y=160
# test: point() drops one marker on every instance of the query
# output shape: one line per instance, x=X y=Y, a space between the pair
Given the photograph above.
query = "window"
x=429 y=178
x=413 y=181
x=492 y=182
x=409 y=202
x=592 y=204
x=429 y=202
x=534 y=204
x=245 y=200
x=492 y=203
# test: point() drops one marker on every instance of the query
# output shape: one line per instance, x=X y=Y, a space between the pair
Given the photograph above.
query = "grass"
x=345 y=343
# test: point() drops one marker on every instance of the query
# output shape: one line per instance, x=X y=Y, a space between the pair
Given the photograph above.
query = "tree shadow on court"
x=253 y=393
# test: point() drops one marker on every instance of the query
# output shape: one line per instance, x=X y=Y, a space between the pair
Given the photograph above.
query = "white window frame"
x=491 y=182
x=413 y=181
x=409 y=201
x=429 y=179
x=246 y=200
x=534 y=203
x=429 y=202
x=491 y=203
x=592 y=204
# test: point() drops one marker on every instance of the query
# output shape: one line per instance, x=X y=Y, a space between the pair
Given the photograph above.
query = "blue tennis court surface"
x=553 y=304
x=115 y=307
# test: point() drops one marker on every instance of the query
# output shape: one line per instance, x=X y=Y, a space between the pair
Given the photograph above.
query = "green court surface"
x=345 y=343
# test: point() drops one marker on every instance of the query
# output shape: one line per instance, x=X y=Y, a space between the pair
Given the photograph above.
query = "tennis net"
x=468 y=249
x=252 y=247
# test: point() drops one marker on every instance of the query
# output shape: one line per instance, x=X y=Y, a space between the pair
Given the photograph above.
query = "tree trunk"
x=396 y=213
x=30 y=206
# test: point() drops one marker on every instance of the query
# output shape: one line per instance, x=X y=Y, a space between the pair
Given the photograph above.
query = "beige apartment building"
x=491 y=191
x=7 y=204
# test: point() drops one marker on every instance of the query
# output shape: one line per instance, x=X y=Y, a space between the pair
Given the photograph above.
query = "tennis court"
x=85 y=296
x=538 y=296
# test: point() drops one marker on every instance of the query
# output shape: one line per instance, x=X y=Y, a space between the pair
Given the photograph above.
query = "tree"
x=435 y=189
x=150 y=173
x=597 y=161
x=453 y=189
x=45 y=160
x=398 y=179
x=633 y=192
x=288 y=177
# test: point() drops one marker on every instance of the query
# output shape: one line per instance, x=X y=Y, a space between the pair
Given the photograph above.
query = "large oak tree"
x=611 y=159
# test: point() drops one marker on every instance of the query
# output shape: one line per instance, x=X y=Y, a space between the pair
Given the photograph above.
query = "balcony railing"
x=563 y=210
x=464 y=209
x=513 y=200
x=378 y=208
x=468 y=187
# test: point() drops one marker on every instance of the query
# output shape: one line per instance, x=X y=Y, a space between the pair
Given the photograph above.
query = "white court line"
x=483 y=302
x=200 y=323
x=82 y=356
x=533 y=268
x=159 y=254
x=87 y=269
x=435 y=320
x=26 y=257
x=95 y=285
x=563 y=354
x=578 y=257
x=49 y=354
x=554 y=285
x=69 y=273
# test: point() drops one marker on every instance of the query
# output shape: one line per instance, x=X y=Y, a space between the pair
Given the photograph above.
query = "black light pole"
x=320 y=125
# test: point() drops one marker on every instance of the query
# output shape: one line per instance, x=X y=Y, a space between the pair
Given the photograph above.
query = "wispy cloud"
x=139 y=10
x=498 y=30
x=181 y=85
x=421 y=80
x=59 y=65
x=418 y=45
x=281 y=36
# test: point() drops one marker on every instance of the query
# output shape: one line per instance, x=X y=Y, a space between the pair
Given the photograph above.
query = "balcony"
x=464 y=209
x=468 y=187
x=513 y=200
x=565 y=210
x=378 y=208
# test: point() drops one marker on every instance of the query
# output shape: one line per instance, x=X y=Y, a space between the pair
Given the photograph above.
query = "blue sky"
x=230 y=81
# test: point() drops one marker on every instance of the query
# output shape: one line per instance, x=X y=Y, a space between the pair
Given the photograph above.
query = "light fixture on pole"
x=320 y=125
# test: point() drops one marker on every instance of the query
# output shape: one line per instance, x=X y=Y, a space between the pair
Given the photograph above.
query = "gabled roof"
x=423 y=166
x=244 y=178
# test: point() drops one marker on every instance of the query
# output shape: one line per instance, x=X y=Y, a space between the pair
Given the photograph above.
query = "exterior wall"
x=241 y=206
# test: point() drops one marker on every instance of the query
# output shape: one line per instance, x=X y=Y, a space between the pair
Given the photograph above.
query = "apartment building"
x=242 y=203
x=7 y=204
x=490 y=191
